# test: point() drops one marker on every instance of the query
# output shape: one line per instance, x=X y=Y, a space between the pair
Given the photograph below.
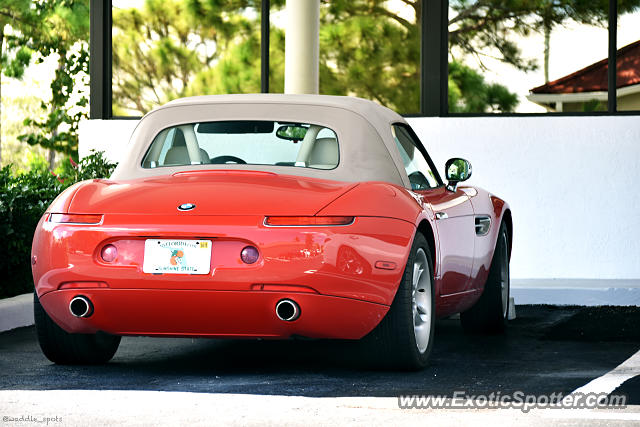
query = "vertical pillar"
x=612 y=100
x=302 y=46
x=434 y=58
x=100 y=60
x=264 y=45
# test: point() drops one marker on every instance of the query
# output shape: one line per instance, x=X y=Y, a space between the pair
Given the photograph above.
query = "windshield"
x=245 y=142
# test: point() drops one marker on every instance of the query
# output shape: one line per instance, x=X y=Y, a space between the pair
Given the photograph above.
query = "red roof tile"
x=594 y=77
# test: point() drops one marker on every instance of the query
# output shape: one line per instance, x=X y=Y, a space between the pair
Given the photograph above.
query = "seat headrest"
x=178 y=139
x=177 y=156
x=324 y=154
x=180 y=156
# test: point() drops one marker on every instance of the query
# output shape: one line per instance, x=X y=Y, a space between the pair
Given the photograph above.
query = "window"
x=163 y=50
x=367 y=50
x=433 y=58
x=372 y=50
x=245 y=142
x=628 y=57
x=416 y=162
x=551 y=57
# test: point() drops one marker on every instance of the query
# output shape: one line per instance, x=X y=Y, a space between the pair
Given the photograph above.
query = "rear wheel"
x=489 y=315
x=404 y=338
x=64 y=348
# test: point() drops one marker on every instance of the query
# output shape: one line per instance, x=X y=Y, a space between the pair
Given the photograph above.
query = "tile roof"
x=594 y=77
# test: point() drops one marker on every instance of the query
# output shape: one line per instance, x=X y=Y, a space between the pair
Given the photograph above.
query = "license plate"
x=177 y=256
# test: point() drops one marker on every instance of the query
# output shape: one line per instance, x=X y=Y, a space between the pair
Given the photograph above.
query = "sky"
x=573 y=47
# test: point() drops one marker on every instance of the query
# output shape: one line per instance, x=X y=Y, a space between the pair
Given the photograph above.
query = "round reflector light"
x=249 y=254
x=109 y=253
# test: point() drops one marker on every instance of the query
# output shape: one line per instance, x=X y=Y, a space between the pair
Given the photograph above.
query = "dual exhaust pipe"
x=286 y=309
x=81 y=306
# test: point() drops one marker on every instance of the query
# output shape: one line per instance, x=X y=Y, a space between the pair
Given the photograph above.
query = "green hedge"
x=24 y=197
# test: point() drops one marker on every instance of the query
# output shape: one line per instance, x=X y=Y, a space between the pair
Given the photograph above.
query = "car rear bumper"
x=344 y=278
x=229 y=314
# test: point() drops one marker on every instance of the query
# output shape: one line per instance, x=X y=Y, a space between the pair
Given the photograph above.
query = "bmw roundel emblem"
x=186 y=206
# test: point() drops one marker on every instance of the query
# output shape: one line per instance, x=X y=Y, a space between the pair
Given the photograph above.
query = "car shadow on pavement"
x=541 y=353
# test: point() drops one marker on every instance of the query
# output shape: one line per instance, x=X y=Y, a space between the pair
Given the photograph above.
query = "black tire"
x=393 y=343
x=490 y=313
x=64 y=348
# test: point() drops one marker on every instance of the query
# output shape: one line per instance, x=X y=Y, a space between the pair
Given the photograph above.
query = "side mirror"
x=456 y=170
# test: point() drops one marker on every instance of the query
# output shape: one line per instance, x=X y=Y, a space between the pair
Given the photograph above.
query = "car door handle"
x=441 y=215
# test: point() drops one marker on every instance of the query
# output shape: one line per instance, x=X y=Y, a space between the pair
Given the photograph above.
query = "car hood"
x=219 y=192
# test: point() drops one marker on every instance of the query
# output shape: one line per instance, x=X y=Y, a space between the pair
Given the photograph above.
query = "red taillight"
x=75 y=218
x=298 y=221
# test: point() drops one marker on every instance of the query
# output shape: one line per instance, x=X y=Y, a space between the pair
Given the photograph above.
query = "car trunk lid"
x=218 y=192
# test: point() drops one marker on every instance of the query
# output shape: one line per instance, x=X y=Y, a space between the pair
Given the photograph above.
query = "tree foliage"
x=14 y=110
x=64 y=31
x=469 y=93
x=368 y=51
x=14 y=57
x=367 y=48
x=159 y=50
x=197 y=49
x=39 y=30
x=371 y=50
x=492 y=28
x=174 y=48
x=16 y=16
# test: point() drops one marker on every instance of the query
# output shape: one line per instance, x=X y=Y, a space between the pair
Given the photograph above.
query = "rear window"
x=245 y=142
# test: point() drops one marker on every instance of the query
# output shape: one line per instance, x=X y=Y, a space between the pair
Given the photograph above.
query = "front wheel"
x=64 y=348
x=489 y=315
x=404 y=338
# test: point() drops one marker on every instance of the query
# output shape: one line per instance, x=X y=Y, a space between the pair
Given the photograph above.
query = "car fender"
x=381 y=199
x=62 y=202
x=376 y=199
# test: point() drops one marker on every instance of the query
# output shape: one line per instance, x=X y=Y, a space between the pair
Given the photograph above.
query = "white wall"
x=110 y=136
x=573 y=184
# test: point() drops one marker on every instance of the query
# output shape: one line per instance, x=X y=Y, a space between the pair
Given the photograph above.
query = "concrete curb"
x=16 y=312
x=587 y=292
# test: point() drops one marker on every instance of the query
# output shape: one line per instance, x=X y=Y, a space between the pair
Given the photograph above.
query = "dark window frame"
x=433 y=64
x=423 y=150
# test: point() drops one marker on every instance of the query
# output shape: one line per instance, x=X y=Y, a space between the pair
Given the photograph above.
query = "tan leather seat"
x=178 y=154
x=324 y=154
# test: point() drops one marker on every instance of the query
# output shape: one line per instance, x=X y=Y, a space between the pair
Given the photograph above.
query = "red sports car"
x=271 y=216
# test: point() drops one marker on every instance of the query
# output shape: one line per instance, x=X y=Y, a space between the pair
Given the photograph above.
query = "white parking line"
x=614 y=378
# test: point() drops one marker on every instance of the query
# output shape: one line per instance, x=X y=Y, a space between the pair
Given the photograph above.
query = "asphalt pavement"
x=546 y=350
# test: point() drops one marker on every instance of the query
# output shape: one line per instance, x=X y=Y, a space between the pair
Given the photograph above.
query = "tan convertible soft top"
x=367 y=148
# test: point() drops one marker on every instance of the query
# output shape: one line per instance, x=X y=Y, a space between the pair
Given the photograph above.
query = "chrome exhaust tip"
x=287 y=310
x=81 y=306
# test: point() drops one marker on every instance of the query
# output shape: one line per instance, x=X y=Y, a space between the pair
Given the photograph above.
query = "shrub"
x=24 y=197
x=92 y=166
